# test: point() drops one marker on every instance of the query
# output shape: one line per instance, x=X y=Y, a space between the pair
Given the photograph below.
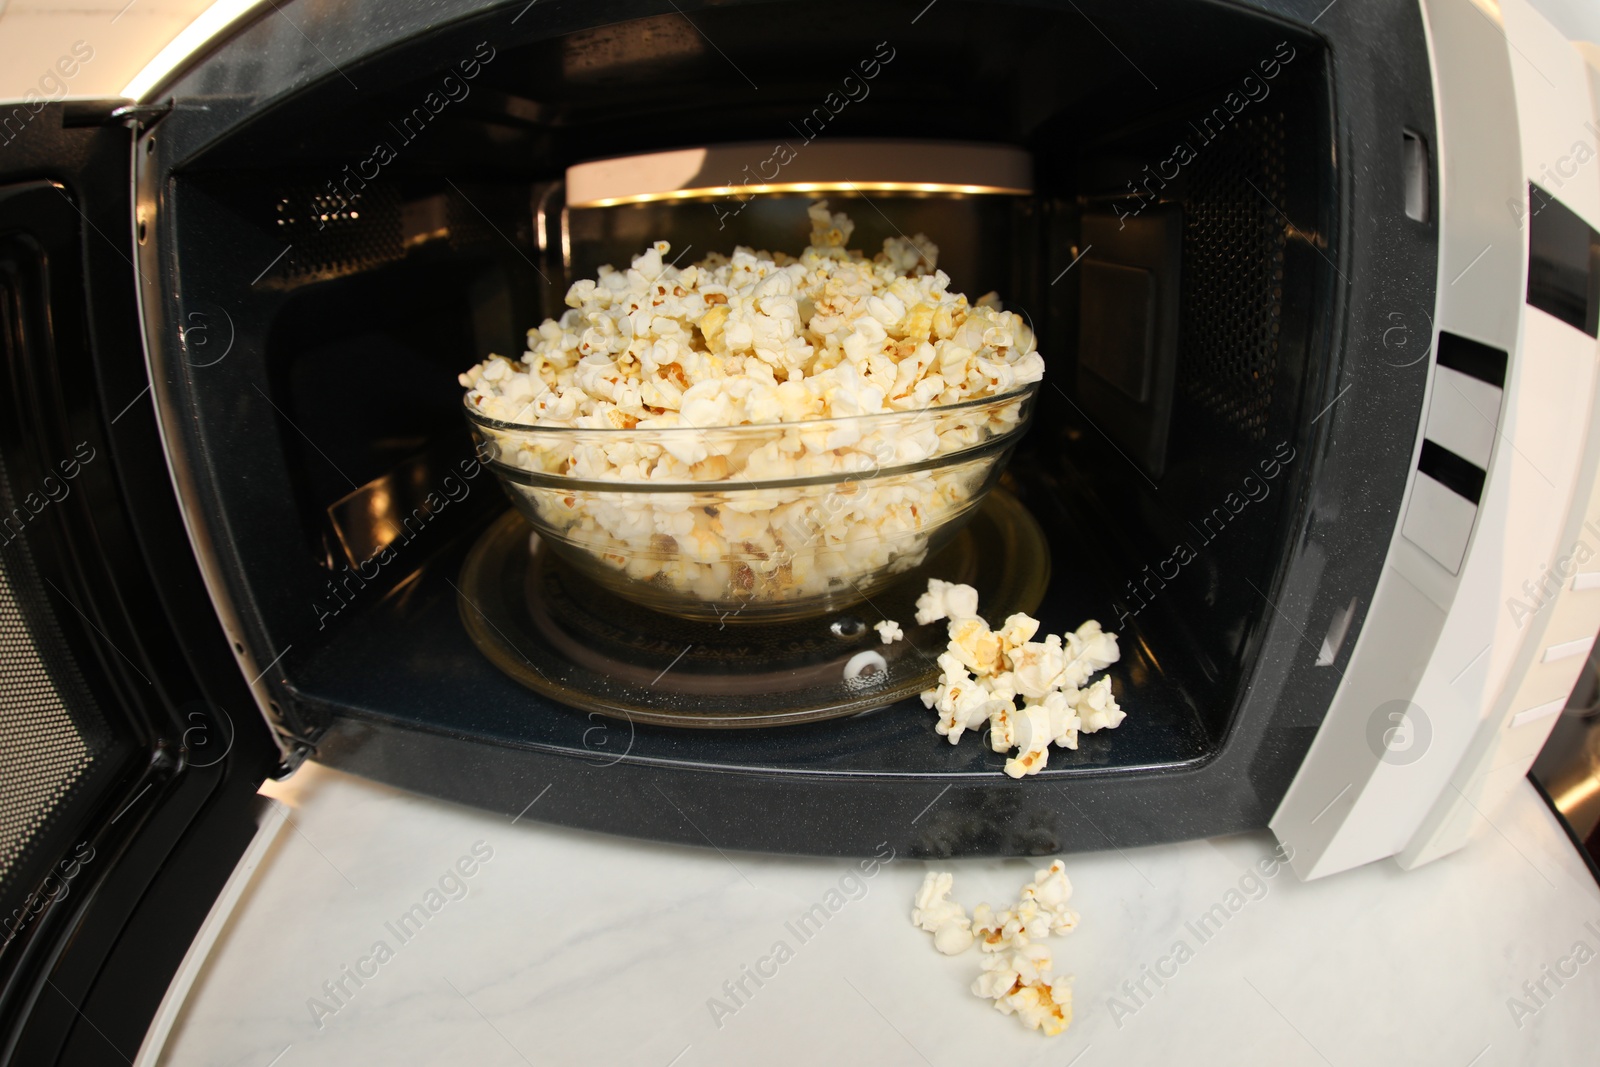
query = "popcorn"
x=1064 y=720
x=1031 y=734
x=1006 y=930
x=933 y=907
x=983 y=671
x=1089 y=649
x=1038 y=666
x=1044 y=1005
x=946 y=600
x=1002 y=728
x=1018 y=629
x=953 y=938
x=945 y=919
x=889 y=631
x=1017 y=971
x=962 y=703
x=761 y=339
x=1098 y=708
x=987 y=927
x=1005 y=973
x=1049 y=891
x=976 y=646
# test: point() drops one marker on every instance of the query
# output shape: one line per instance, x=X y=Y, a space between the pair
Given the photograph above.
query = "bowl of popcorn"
x=760 y=435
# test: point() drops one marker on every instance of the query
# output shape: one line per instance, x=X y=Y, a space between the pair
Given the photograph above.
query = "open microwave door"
x=130 y=744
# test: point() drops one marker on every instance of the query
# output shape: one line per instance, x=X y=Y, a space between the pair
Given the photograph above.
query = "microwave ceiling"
x=1017 y=74
x=834 y=165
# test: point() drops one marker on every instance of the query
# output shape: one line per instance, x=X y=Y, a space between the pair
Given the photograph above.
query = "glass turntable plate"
x=558 y=633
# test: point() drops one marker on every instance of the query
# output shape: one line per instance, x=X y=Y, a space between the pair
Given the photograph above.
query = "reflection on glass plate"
x=557 y=632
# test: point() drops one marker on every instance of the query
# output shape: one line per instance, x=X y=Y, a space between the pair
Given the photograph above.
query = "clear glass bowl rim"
x=740 y=482
x=601 y=433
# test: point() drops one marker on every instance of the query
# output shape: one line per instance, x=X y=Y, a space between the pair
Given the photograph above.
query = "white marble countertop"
x=573 y=948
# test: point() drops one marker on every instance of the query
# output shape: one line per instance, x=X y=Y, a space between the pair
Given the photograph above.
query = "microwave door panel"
x=1355 y=800
x=1545 y=618
x=131 y=756
x=1399 y=765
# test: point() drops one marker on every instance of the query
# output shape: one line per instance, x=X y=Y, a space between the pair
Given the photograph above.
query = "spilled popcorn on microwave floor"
x=758 y=338
x=1017 y=971
x=984 y=672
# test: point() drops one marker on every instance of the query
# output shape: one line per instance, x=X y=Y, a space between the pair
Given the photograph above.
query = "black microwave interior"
x=1185 y=301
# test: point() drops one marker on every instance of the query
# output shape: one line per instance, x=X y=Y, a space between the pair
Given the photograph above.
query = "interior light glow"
x=210 y=22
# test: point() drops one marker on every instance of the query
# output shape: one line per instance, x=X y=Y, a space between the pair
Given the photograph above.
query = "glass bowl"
x=745 y=523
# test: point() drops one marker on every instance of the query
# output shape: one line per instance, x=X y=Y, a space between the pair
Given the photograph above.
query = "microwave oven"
x=1316 y=286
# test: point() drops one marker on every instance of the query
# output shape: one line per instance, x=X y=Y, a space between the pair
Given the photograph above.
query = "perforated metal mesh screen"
x=1233 y=246
x=329 y=235
x=50 y=729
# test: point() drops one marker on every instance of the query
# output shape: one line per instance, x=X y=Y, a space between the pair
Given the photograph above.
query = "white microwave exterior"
x=1512 y=96
x=1449 y=692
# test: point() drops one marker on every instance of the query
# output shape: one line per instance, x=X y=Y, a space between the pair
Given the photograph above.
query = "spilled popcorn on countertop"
x=1018 y=973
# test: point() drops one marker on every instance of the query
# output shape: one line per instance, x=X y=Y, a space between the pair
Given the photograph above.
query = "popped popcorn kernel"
x=1050 y=891
x=946 y=600
x=942 y=917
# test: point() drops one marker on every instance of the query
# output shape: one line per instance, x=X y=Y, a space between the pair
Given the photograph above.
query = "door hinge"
x=80 y=113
